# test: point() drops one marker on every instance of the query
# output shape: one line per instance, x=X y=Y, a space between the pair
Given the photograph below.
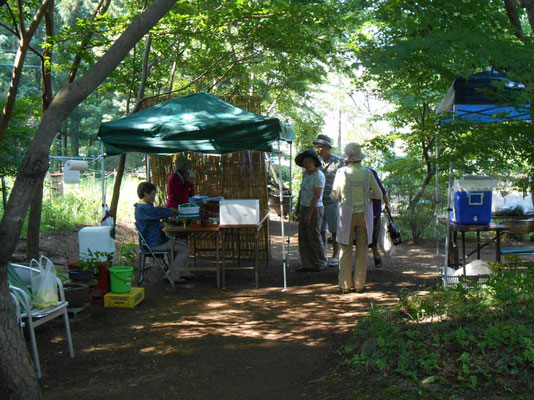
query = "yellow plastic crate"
x=125 y=300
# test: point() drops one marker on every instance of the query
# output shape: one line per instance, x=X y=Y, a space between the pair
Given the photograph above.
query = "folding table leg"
x=257 y=259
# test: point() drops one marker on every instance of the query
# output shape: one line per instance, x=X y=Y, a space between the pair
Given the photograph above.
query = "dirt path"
x=204 y=343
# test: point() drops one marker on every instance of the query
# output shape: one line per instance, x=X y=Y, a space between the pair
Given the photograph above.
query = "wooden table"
x=233 y=232
x=226 y=237
x=174 y=229
x=463 y=228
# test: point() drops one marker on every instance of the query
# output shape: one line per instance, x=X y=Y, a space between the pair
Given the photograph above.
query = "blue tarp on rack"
x=485 y=97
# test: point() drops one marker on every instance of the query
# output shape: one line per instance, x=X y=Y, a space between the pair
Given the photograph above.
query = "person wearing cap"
x=354 y=186
x=330 y=163
x=311 y=247
x=180 y=186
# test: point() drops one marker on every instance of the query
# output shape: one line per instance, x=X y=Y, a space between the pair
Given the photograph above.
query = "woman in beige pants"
x=354 y=187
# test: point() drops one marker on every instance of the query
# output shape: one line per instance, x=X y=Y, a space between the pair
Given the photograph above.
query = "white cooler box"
x=239 y=212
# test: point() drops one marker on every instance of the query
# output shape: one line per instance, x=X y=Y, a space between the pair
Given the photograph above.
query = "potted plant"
x=92 y=267
x=76 y=294
x=128 y=253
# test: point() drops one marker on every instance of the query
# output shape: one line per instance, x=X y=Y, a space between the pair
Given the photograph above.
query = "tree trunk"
x=75 y=119
x=34 y=223
x=36 y=205
x=4 y=192
x=122 y=161
x=17 y=376
x=117 y=187
x=17 y=379
x=25 y=39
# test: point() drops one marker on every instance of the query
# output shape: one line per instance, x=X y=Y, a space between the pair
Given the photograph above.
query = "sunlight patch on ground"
x=108 y=347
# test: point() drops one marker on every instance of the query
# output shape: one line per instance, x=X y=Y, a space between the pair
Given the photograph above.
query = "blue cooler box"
x=472 y=200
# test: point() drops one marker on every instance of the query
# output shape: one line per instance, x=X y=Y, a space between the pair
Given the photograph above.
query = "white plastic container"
x=95 y=238
x=239 y=212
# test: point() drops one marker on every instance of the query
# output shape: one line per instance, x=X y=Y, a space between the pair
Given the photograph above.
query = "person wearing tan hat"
x=180 y=186
x=354 y=186
x=330 y=163
x=311 y=247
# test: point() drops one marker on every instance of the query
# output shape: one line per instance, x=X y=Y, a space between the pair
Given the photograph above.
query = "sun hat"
x=323 y=139
x=307 y=153
x=353 y=152
x=180 y=162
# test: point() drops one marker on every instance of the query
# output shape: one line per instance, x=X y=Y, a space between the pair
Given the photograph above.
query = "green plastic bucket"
x=121 y=279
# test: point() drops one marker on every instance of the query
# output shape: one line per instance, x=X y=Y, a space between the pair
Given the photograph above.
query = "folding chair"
x=158 y=255
x=20 y=285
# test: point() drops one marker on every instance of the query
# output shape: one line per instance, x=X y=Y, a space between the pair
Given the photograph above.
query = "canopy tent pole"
x=448 y=213
x=103 y=175
x=437 y=200
x=147 y=167
x=290 y=198
x=284 y=260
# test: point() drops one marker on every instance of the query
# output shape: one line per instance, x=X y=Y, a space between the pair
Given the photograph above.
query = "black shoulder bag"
x=393 y=229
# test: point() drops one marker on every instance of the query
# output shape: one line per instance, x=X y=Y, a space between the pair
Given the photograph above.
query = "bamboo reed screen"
x=239 y=175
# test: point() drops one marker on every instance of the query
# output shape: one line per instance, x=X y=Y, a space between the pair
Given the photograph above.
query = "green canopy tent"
x=200 y=123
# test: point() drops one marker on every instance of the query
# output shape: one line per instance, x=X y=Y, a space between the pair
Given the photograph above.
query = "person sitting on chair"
x=148 y=220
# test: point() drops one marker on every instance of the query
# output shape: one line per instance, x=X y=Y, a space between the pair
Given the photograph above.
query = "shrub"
x=476 y=339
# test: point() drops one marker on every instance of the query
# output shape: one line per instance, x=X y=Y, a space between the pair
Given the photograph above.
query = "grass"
x=80 y=205
x=454 y=343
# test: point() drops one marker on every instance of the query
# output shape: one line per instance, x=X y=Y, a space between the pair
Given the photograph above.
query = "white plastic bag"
x=44 y=284
x=497 y=202
x=107 y=219
x=474 y=268
x=514 y=200
x=527 y=201
x=384 y=240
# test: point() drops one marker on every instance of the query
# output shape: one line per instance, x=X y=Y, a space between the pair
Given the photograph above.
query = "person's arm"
x=382 y=188
x=376 y=192
x=317 y=191
x=335 y=194
x=191 y=188
x=154 y=213
x=315 y=199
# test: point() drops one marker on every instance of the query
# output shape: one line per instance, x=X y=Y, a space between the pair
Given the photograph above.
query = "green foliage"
x=93 y=259
x=128 y=254
x=68 y=212
x=478 y=339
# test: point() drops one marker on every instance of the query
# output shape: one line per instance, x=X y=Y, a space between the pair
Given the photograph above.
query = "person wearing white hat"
x=354 y=186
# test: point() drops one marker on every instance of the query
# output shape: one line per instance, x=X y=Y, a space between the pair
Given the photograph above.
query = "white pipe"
x=103 y=175
x=284 y=260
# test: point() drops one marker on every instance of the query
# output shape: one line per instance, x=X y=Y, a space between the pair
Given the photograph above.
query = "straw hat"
x=180 y=162
x=323 y=139
x=353 y=152
x=307 y=153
